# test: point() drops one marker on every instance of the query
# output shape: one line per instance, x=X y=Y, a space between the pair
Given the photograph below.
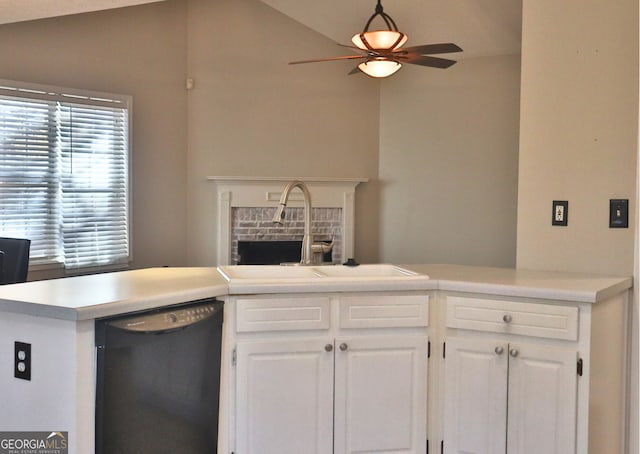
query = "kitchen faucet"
x=311 y=254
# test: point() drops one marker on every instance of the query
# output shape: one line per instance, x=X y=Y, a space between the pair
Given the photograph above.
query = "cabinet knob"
x=343 y=347
x=499 y=350
x=506 y=318
x=513 y=352
x=328 y=347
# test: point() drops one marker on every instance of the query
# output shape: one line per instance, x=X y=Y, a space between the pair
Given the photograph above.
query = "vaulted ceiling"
x=23 y=10
x=480 y=27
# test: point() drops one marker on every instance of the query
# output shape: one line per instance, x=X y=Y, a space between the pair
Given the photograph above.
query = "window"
x=64 y=174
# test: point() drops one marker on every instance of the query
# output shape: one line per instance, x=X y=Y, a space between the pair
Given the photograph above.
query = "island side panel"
x=85 y=386
x=59 y=396
x=607 y=372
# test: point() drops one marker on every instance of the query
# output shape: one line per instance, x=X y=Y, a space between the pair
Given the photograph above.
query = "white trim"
x=633 y=375
x=235 y=191
x=224 y=227
x=64 y=94
x=348 y=224
x=633 y=352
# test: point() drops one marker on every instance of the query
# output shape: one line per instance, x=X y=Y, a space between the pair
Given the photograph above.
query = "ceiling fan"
x=382 y=50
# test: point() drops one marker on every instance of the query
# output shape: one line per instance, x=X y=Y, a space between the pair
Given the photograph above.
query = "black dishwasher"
x=158 y=380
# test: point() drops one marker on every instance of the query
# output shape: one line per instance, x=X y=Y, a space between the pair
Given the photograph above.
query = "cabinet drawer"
x=282 y=314
x=388 y=311
x=511 y=317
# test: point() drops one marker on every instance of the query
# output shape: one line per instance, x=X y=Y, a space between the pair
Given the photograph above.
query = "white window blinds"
x=64 y=174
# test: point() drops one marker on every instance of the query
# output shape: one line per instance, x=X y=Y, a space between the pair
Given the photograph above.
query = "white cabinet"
x=284 y=397
x=511 y=397
x=380 y=394
x=526 y=376
x=542 y=399
x=312 y=376
x=475 y=397
x=346 y=373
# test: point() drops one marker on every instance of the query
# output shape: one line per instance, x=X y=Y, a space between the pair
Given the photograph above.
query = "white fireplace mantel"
x=238 y=191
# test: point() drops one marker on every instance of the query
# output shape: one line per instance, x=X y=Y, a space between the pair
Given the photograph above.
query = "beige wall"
x=578 y=142
x=578 y=133
x=444 y=139
x=251 y=114
x=139 y=51
x=448 y=163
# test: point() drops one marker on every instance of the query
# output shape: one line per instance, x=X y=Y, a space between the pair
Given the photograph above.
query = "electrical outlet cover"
x=22 y=361
x=560 y=214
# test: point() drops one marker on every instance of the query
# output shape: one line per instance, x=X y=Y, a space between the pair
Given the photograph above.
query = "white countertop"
x=108 y=294
x=550 y=285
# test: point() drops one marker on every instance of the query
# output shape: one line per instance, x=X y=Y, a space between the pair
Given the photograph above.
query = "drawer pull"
x=328 y=347
x=499 y=350
x=507 y=318
x=344 y=347
x=513 y=352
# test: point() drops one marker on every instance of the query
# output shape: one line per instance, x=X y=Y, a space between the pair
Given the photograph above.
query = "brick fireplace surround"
x=245 y=206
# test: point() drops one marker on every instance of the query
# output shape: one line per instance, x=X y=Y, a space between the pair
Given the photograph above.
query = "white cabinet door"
x=284 y=397
x=380 y=394
x=542 y=400
x=475 y=404
x=509 y=397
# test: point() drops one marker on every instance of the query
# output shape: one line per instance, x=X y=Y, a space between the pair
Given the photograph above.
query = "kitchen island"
x=57 y=318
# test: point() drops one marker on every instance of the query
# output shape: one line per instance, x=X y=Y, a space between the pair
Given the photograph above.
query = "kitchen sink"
x=320 y=273
x=269 y=272
x=254 y=279
x=378 y=270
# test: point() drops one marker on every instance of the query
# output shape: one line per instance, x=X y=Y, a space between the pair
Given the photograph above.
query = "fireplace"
x=246 y=206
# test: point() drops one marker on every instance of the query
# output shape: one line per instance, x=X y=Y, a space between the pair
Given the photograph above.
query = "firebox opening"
x=272 y=252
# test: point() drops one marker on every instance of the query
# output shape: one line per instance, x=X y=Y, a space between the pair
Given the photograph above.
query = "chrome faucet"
x=310 y=254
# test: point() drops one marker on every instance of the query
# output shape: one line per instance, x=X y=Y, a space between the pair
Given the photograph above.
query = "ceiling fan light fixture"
x=381 y=50
x=379 y=40
x=379 y=67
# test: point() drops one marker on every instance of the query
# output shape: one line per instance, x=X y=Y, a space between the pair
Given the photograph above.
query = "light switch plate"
x=619 y=213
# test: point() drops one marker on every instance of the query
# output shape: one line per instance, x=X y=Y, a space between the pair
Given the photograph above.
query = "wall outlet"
x=22 y=361
x=619 y=213
x=560 y=213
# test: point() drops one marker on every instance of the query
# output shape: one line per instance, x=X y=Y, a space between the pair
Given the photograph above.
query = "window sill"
x=53 y=270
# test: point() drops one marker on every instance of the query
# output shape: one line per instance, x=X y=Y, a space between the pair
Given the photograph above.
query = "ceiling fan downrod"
x=380 y=40
x=379 y=11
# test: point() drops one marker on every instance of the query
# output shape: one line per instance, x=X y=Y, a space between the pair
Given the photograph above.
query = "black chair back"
x=15 y=263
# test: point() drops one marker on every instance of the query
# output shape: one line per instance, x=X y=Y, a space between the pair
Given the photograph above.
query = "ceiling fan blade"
x=433 y=62
x=346 y=57
x=355 y=70
x=428 y=49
